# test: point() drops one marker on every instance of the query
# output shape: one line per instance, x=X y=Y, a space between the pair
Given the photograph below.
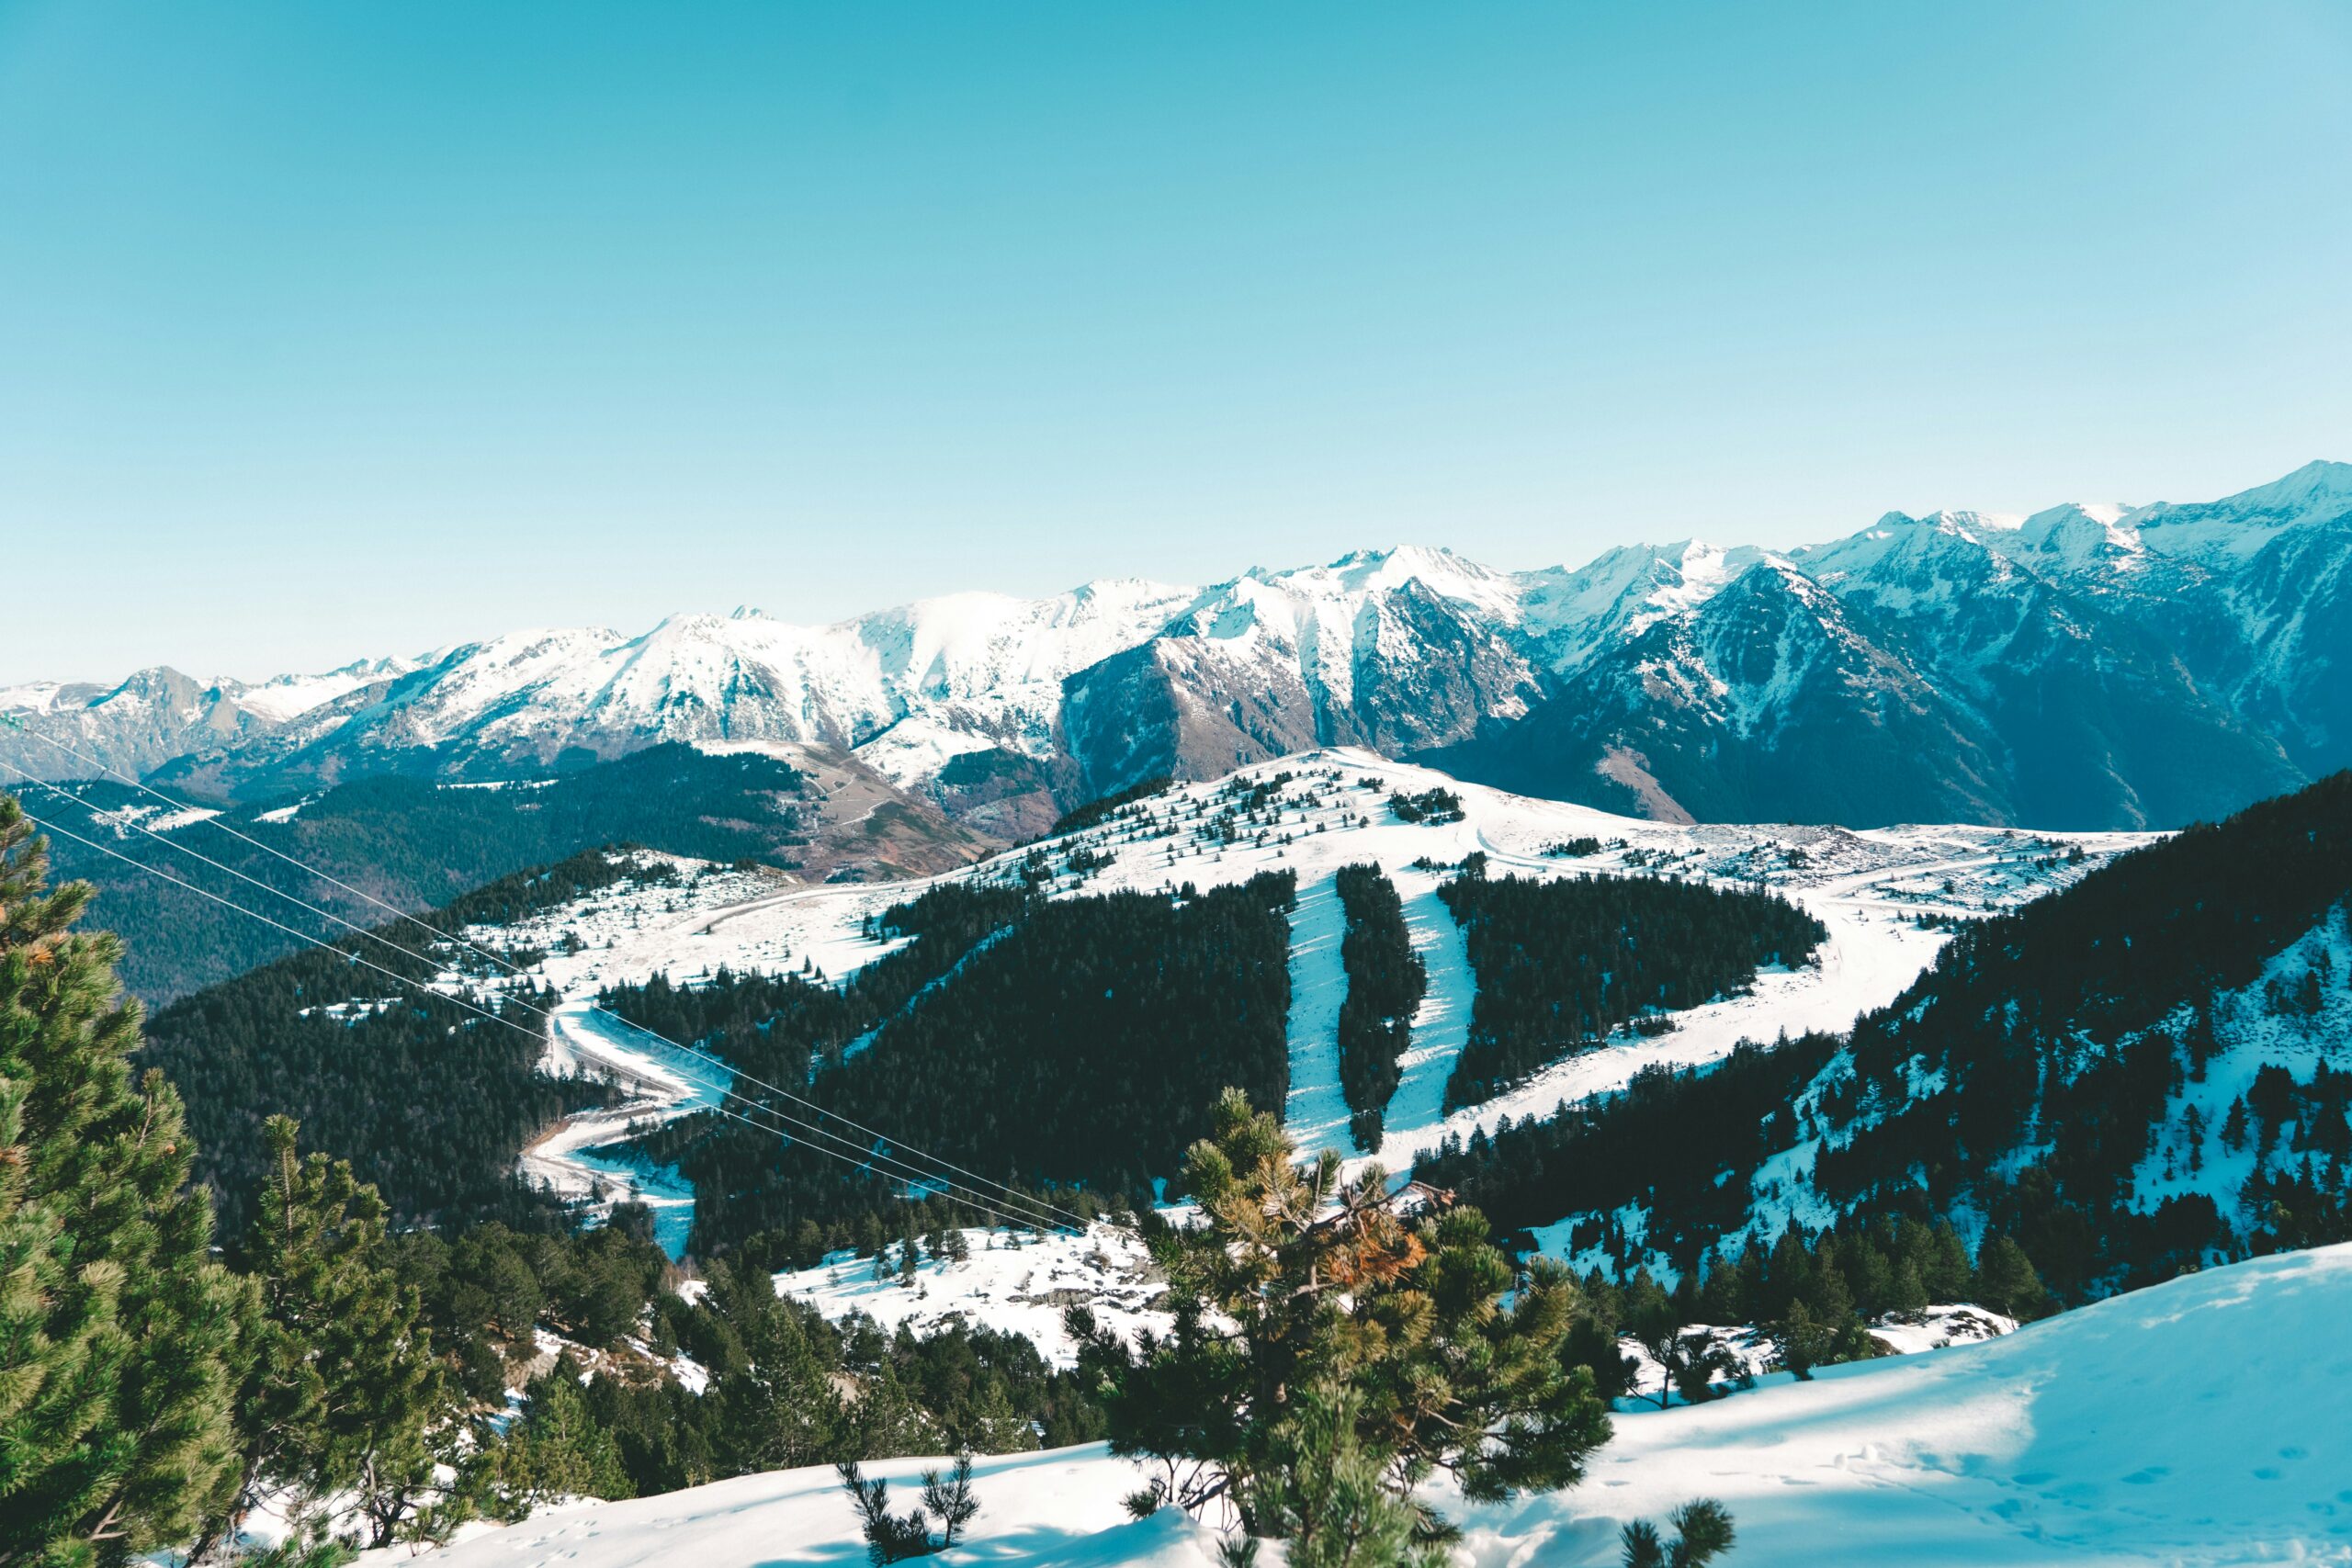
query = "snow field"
x=1017 y=1282
x=2197 y=1423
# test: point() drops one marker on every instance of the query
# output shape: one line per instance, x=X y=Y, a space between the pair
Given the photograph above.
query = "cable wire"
x=908 y=1174
x=502 y=961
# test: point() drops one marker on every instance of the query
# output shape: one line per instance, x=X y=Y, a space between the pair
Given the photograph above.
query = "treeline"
x=782 y=1027
x=429 y=1099
x=411 y=842
x=1861 y=1268
x=1075 y=1050
x=1385 y=982
x=1560 y=962
x=1103 y=809
x=2085 y=1015
x=1682 y=1144
x=778 y=1385
x=1810 y=1298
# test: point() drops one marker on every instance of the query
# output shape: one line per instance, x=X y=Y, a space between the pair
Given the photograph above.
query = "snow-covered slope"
x=1870 y=889
x=1018 y=1282
x=2145 y=1074
x=2197 y=1423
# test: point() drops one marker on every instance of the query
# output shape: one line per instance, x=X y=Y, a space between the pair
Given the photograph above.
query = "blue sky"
x=332 y=329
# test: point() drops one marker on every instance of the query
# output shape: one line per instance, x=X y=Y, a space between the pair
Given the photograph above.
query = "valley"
x=1201 y=786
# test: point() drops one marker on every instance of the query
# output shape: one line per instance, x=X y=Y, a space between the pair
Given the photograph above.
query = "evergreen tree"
x=116 y=1328
x=777 y=1409
x=559 y=1450
x=1324 y=1492
x=339 y=1379
x=1326 y=1283
x=890 y=1538
x=1703 y=1532
x=2007 y=1282
x=951 y=1497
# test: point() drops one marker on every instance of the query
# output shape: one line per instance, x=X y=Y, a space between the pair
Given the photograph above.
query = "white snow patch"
x=2148 y=1429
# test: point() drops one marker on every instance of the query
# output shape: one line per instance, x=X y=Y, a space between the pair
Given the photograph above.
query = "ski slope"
x=1866 y=887
x=2198 y=1423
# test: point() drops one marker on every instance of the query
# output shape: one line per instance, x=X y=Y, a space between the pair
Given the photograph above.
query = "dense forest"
x=427 y=1098
x=1561 y=963
x=1078 y=1045
x=780 y=1028
x=1385 y=982
x=610 y=1290
x=411 y=842
x=2077 y=1020
x=2024 y=1080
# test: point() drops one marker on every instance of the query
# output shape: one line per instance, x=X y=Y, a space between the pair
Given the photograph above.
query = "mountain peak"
x=2237 y=526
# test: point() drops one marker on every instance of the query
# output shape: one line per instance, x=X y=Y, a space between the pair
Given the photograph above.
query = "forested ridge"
x=781 y=1027
x=411 y=842
x=1560 y=962
x=347 y=1368
x=2025 y=1079
x=1385 y=982
x=1079 y=1044
x=429 y=1099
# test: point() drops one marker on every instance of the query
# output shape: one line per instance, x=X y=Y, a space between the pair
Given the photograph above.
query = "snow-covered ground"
x=1867 y=888
x=1020 y=1283
x=578 y=1158
x=2198 y=1423
x=1316 y=1112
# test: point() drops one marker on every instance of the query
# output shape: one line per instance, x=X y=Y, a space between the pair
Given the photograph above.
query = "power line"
x=907 y=1174
x=215 y=821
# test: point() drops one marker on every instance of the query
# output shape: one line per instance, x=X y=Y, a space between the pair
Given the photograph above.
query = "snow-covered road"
x=663 y=1083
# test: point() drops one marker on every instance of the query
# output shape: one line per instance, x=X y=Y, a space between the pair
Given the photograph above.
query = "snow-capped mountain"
x=158 y=715
x=2090 y=665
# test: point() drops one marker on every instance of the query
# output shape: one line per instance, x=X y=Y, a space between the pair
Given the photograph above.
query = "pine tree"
x=890 y=1538
x=339 y=1380
x=1703 y=1532
x=1326 y=1495
x=559 y=1450
x=779 y=1409
x=116 y=1328
x=2007 y=1282
x=1324 y=1283
x=951 y=1497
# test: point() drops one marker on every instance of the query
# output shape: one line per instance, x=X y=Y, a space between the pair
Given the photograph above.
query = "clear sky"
x=331 y=330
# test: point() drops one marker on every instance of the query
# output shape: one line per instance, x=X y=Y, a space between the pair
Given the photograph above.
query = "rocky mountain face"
x=2088 y=666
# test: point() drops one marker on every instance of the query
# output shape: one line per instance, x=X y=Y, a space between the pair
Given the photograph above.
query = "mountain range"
x=2088 y=666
